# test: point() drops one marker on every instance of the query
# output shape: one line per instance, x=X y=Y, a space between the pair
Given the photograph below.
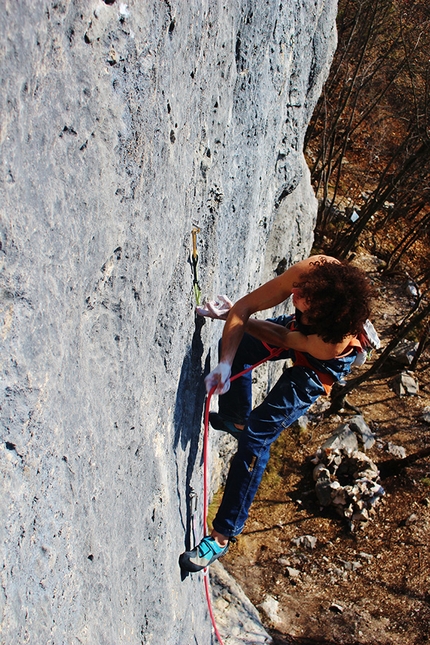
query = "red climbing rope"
x=274 y=351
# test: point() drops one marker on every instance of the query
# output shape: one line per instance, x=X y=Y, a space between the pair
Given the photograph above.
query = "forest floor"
x=369 y=586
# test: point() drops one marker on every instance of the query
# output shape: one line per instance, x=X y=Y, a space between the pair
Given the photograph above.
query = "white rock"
x=404 y=352
x=307 y=541
x=412 y=519
x=396 y=451
x=319 y=470
x=361 y=515
x=236 y=618
x=293 y=573
x=336 y=608
x=270 y=606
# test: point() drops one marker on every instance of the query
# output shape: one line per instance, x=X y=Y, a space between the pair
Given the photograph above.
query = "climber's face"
x=299 y=302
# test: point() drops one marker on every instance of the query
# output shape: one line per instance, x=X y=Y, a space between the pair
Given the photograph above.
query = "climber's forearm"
x=279 y=336
x=268 y=332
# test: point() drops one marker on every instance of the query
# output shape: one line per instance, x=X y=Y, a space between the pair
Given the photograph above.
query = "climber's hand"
x=217 y=309
x=219 y=377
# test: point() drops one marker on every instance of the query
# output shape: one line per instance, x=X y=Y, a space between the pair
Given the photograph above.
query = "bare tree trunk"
x=387 y=185
x=421 y=347
x=407 y=241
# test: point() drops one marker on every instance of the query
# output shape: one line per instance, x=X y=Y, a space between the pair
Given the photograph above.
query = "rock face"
x=236 y=618
x=123 y=125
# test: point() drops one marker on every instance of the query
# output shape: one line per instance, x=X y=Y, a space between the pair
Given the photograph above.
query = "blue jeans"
x=292 y=395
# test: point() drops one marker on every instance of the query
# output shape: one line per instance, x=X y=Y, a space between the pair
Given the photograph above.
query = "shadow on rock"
x=188 y=413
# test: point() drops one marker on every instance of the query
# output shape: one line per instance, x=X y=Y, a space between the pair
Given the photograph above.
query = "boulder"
x=405 y=384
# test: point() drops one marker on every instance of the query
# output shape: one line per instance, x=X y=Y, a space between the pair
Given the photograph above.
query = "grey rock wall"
x=122 y=125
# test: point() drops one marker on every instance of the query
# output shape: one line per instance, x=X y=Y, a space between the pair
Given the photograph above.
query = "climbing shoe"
x=219 y=423
x=202 y=555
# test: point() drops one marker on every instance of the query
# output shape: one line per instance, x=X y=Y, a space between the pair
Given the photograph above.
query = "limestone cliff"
x=122 y=126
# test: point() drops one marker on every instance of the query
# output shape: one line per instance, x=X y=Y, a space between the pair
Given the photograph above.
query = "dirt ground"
x=369 y=586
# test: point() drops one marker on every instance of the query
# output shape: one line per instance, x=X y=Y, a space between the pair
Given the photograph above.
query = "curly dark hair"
x=339 y=297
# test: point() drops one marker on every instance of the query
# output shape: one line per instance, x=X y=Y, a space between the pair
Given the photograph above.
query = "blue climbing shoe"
x=202 y=555
x=219 y=423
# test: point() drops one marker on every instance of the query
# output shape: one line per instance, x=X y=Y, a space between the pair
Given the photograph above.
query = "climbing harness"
x=273 y=351
x=327 y=380
x=195 y=259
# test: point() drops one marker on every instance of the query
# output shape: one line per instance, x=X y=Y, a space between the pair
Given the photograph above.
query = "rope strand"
x=273 y=351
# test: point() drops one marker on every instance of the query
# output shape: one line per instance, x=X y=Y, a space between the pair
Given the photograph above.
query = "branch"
x=339 y=393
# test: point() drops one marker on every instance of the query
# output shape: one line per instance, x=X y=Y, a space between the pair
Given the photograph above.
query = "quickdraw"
x=194 y=260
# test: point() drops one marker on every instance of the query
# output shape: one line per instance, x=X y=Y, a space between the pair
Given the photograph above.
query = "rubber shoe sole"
x=202 y=555
x=221 y=424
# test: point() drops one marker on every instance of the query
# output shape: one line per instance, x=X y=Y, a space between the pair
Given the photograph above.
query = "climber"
x=332 y=302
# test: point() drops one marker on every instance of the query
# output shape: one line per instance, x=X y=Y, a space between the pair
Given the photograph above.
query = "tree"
x=367 y=146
